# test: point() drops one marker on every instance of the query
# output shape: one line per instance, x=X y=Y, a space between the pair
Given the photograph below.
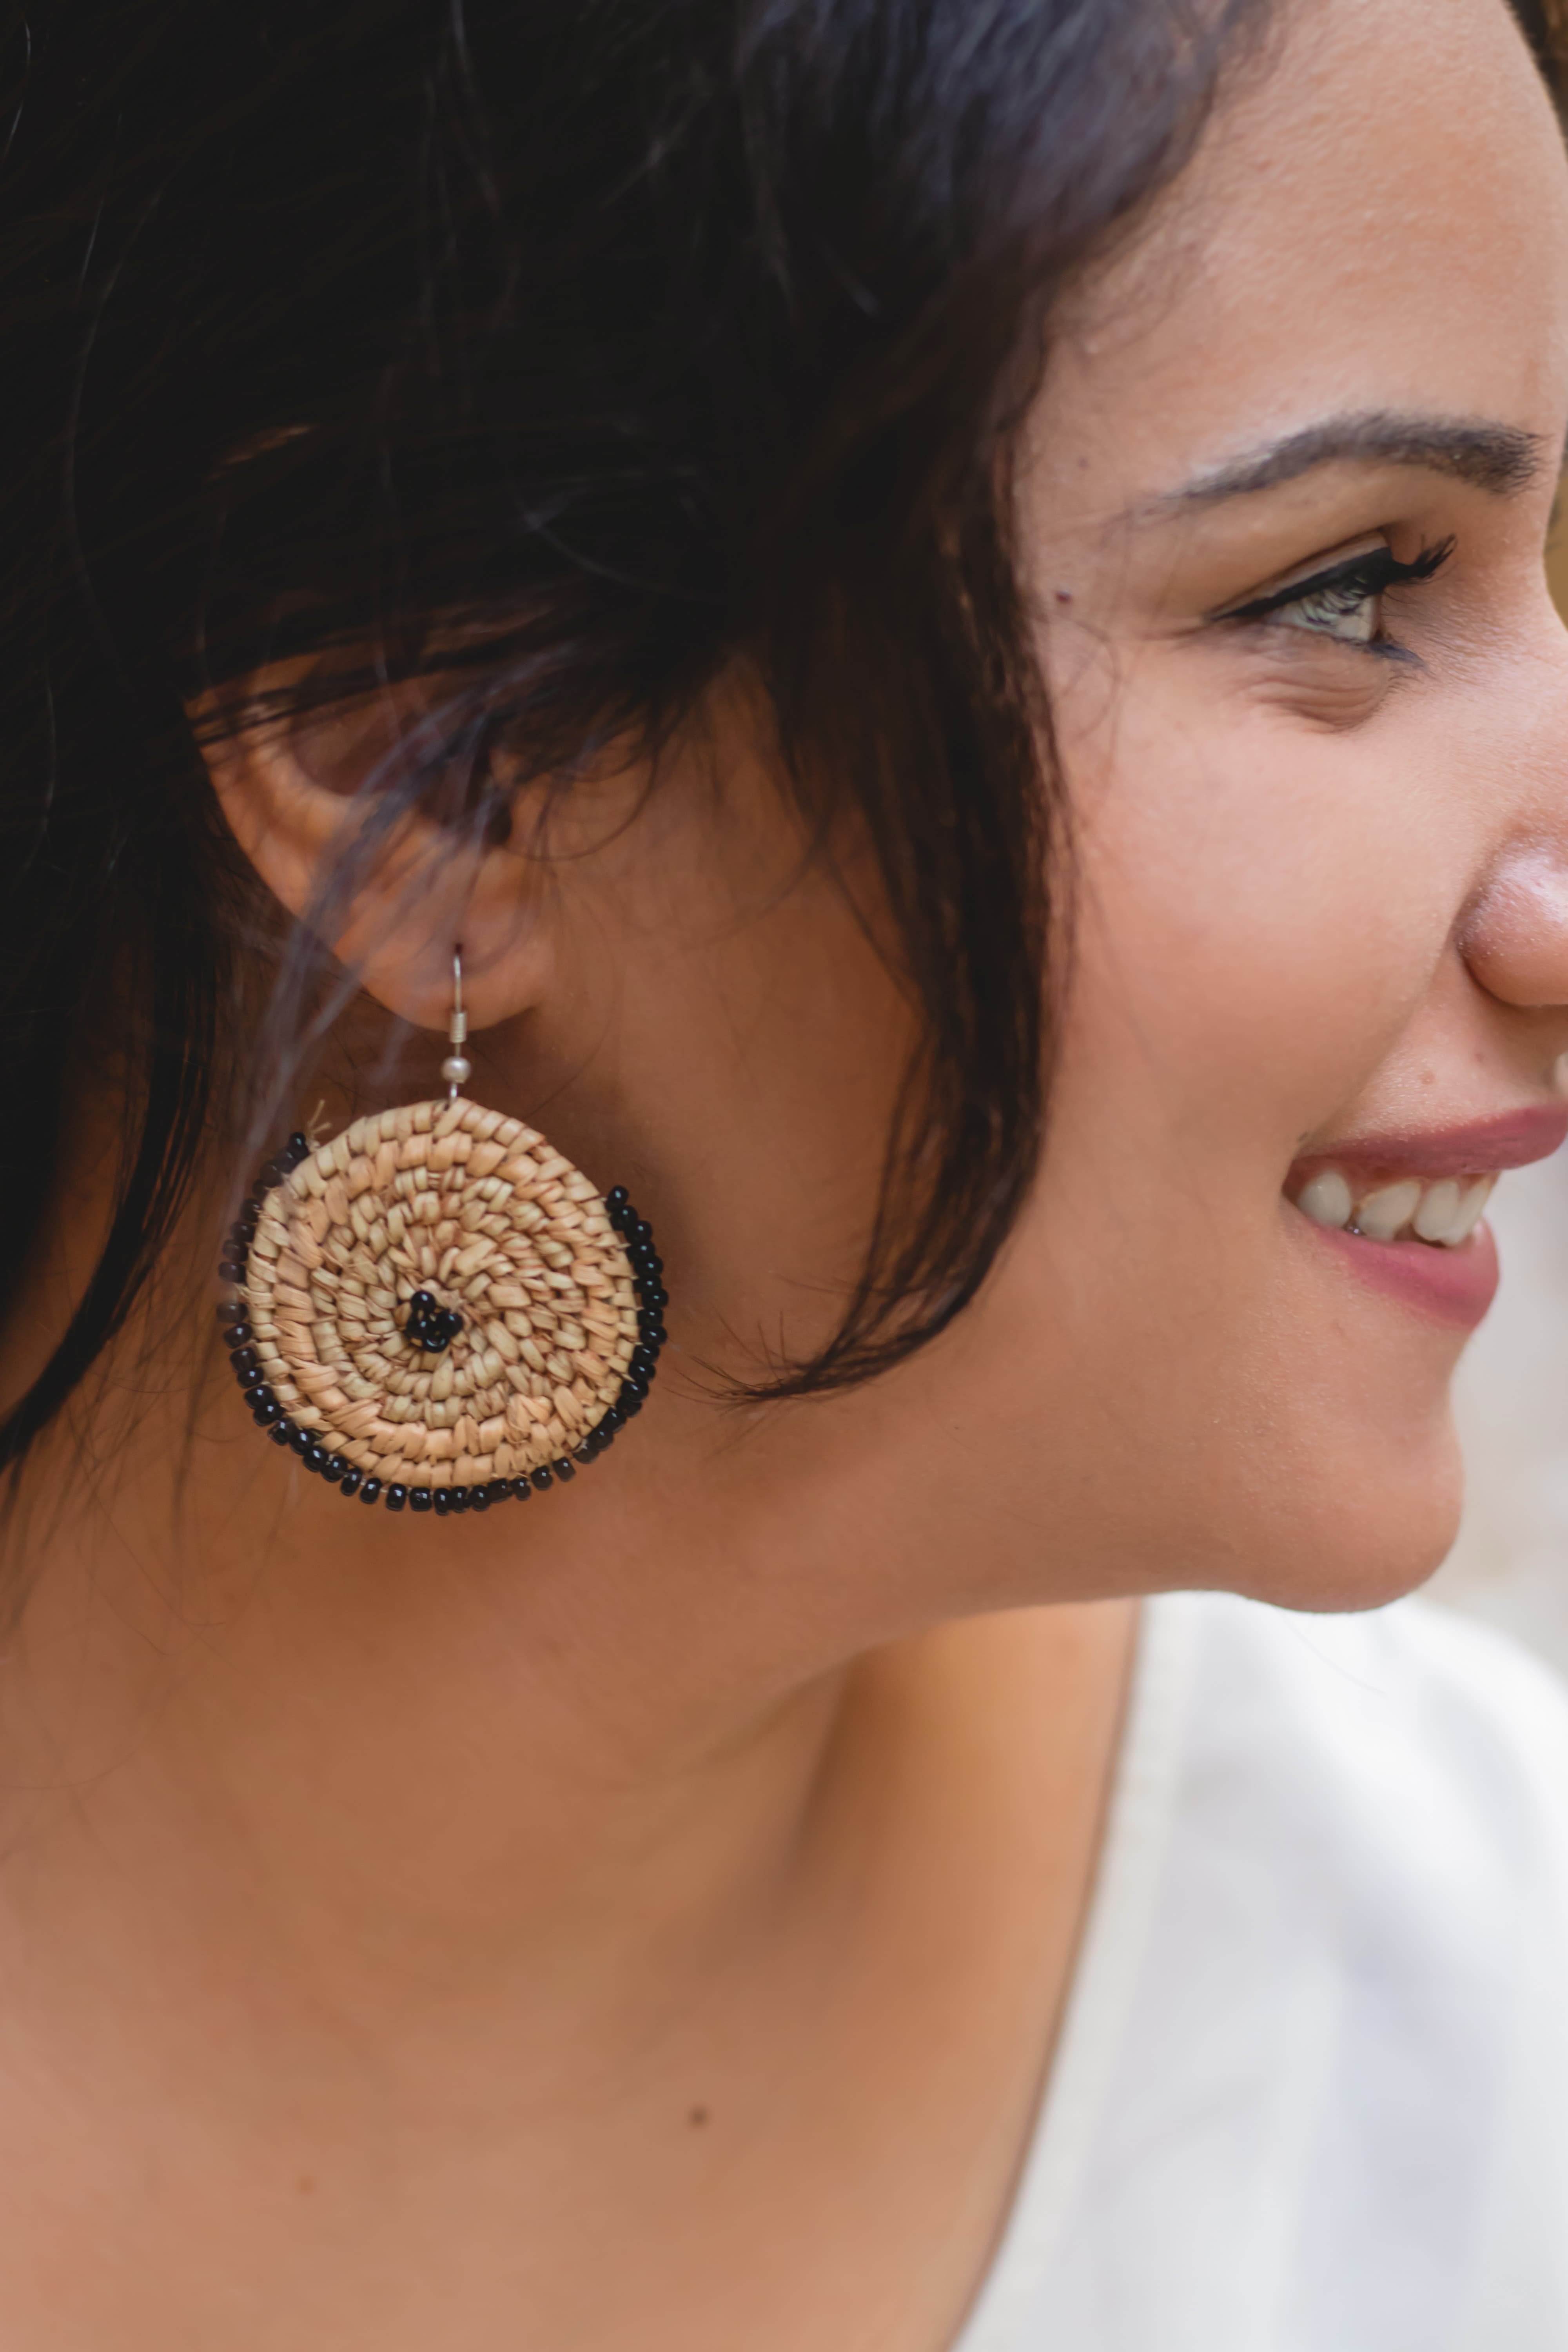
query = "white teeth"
x=1471 y=1210
x=1381 y=1217
x=1438 y=1212
x=1326 y=1200
x=1445 y=1213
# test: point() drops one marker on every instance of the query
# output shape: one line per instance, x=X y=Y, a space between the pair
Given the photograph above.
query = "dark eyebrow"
x=1497 y=457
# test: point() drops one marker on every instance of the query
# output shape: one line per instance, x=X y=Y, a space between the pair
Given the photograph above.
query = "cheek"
x=1262 y=908
x=1257 y=931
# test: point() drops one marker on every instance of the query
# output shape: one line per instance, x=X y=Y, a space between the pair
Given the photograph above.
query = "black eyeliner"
x=1371 y=574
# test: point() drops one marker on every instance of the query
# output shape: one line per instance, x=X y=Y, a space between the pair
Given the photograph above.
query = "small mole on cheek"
x=697 y=2117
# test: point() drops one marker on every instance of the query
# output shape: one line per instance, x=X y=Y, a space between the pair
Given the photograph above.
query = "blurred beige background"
x=1510 y=1563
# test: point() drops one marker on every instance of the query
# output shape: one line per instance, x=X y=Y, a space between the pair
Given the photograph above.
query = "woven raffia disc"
x=481 y=1213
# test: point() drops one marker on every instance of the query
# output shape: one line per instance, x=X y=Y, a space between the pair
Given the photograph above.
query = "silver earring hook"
x=457 y=1069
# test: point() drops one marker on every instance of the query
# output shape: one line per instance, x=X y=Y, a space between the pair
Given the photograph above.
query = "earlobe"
x=391 y=908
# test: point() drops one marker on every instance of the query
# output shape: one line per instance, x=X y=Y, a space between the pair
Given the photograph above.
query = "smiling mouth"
x=1443 y=1212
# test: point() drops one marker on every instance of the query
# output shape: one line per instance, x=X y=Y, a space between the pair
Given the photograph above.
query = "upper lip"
x=1479 y=1148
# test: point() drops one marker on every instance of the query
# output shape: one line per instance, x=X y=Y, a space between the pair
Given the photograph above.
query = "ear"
x=292 y=795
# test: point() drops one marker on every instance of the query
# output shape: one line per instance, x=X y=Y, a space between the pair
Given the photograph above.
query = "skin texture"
x=646 y=1927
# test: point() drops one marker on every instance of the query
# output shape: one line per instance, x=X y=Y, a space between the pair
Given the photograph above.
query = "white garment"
x=1312 y=2093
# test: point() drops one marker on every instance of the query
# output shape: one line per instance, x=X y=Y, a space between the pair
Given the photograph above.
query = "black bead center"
x=430 y=1326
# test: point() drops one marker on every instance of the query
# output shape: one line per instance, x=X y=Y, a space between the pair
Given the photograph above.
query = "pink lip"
x=1453 y=1286
x=1479 y=1150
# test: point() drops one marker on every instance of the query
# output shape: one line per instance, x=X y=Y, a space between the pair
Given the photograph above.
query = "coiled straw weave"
x=483 y=1213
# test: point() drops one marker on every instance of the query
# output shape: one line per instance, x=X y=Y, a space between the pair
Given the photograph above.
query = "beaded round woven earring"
x=435 y=1310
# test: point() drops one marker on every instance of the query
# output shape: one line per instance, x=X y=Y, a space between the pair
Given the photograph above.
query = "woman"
x=938 y=612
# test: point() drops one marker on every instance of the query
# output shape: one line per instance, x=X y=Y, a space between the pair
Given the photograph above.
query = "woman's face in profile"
x=1283 y=519
x=1297 y=458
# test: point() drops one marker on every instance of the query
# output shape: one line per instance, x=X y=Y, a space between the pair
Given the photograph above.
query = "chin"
x=1346 y=1527
x=1364 y=1559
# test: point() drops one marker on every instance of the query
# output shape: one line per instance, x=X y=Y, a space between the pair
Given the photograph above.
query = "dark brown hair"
x=613 y=341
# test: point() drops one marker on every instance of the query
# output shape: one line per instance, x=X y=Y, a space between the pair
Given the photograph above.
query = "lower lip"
x=1454 y=1286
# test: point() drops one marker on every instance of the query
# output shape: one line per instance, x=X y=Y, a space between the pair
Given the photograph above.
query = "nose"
x=1515 y=939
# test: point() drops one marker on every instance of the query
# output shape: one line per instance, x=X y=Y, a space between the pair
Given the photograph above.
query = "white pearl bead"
x=456 y=1070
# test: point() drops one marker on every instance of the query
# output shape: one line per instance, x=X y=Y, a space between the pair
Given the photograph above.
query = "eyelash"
x=1349 y=586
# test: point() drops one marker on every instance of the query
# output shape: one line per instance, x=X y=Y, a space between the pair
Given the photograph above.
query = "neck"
x=572 y=1763
x=268 y=1738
